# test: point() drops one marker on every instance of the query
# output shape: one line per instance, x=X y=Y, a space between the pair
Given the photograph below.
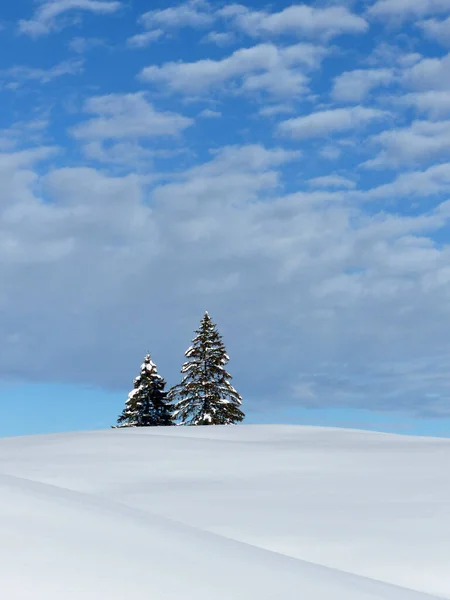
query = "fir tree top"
x=146 y=404
x=205 y=395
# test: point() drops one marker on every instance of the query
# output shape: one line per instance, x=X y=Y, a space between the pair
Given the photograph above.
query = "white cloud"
x=233 y=177
x=435 y=104
x=141 y=40
x=101 y=257
x=81 y=45
x=128 y=153
x=422 y=141
x=355 y=86
x=437 y=30
x=196 y=13
x=431 y=181
x=330 y=152
x=101 y=228
x=222 y=38
x=122 y=116
x=392 y=383
x=299 y=20
x=24 y=133
x=46 y=17
x=331 y=181
x=159 y=22
x=278 y=71
x=25 y=158
x=207 y=113
x=403 y=9
x=105 y=256
x=409 y=59
x=327 y=122
x=387 y=54
x=18 y=75
x=272 y=110
x=429 y=74
x=249 y=158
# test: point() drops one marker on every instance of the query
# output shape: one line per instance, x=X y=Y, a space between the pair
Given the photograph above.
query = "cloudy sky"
x=286 y=168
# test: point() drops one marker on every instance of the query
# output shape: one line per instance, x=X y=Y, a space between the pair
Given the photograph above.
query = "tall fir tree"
x=205 y=395
x=147 y=403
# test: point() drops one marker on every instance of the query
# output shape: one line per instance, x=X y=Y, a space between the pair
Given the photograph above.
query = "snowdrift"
x=225 y=513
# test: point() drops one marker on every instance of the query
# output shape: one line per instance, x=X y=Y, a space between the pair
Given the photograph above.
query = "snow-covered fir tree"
x=205 y=396
x=147 y=403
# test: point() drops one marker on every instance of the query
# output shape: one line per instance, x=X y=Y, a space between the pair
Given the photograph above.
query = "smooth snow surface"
x=225 y=513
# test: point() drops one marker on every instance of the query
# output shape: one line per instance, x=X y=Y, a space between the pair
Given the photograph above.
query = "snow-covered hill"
x=225 y=513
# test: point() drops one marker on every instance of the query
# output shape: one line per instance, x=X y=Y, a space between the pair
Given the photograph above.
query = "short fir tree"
x=205 y=396
x=147 y=403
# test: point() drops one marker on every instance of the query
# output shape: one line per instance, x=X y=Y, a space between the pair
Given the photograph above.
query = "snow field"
x=234 y=512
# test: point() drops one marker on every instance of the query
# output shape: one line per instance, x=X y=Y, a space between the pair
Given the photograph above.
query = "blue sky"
x=285 y=167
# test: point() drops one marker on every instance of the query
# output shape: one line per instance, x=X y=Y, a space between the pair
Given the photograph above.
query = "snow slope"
x=215 y=513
